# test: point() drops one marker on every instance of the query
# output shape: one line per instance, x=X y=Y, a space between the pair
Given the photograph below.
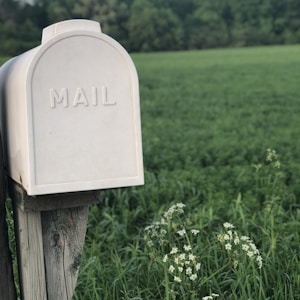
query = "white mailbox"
x=71 y=113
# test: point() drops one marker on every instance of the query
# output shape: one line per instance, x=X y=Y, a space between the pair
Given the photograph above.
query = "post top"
x=70 y=25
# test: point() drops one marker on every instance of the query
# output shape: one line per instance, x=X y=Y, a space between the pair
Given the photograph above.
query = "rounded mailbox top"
x=68 y=26
x=74 y=121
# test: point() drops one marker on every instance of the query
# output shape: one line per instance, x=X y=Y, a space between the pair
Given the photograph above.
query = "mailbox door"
x=83 y=114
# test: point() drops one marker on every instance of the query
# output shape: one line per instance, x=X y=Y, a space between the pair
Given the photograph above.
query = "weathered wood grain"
x=7 y=286
x=63 y=238
x=30 y=255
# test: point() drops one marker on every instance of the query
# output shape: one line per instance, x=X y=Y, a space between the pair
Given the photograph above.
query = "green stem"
x=166 y=279
x=273 y=238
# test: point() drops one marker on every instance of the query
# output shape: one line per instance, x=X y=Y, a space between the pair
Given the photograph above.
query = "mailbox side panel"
x=14 y=101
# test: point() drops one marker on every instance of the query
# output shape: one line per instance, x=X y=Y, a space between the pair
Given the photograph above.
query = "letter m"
x=58 y=98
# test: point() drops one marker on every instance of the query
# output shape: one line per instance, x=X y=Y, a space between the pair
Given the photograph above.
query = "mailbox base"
x=50 y=202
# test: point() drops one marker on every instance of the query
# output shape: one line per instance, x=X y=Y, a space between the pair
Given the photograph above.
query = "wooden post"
x=30 y=254
x=7 y=286
x=50 y=238
x=63 y=239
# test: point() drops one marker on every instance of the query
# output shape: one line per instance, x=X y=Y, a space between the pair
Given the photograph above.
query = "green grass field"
x=208 y=118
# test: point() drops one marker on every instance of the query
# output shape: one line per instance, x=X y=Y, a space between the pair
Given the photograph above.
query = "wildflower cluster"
x=236 y=245
x=156 y=233
x=182 y=264
x=173 y=245
x=171 y=232
x=176 y=248
x=270 y=187
x=173 y=211
x=272 y=158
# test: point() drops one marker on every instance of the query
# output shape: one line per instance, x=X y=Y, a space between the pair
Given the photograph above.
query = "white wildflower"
x=250 y=254
x=174 y=250
x=177 y=279
x=187 y=247
x=195 y=231
x=182 y=256
x=245 y=247
x=228 y=225
x=150 y=243
x=180 y=205
x=226 y=237
x=245 y=238
x=163 y=221
x=171 y=269
x=192 y=257
x=213 y=295
x=165 y=258
x=181 y=232
x=253 y=247
x=193 y=277
x=271 y=155
x=277 y=164
x=235 y=263
x=188 y=271
x=259 y=261
x=228 y=246
x=220 y=238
